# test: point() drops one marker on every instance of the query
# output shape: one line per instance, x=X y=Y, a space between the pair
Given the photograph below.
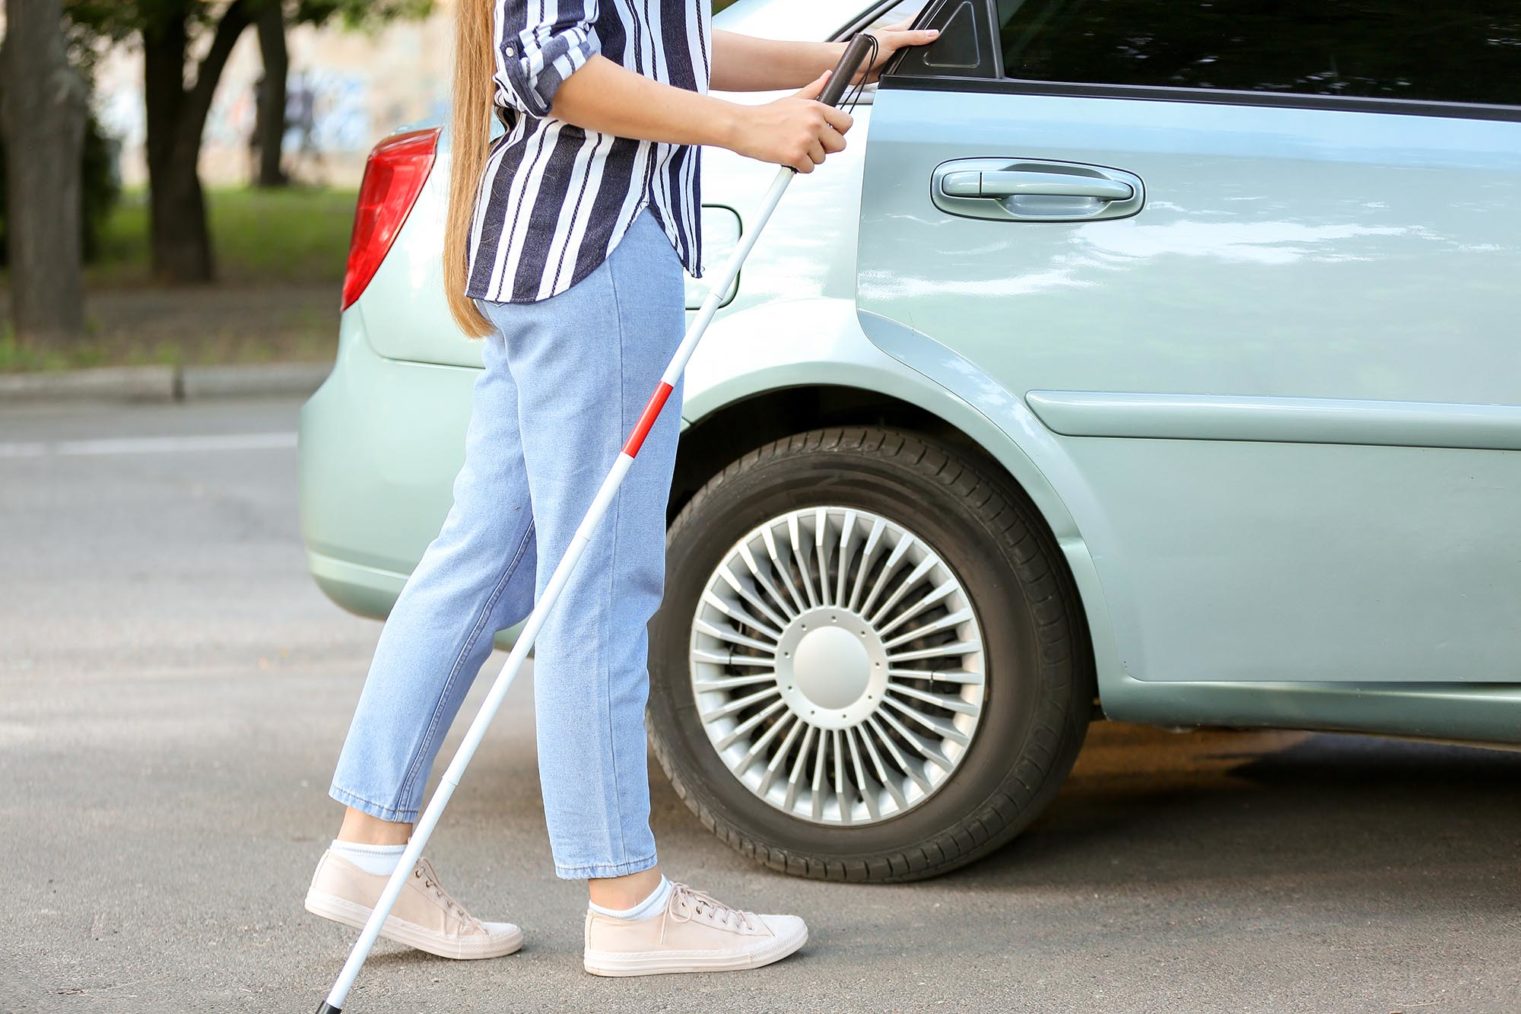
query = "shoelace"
x=705 y=905
x=424 y=872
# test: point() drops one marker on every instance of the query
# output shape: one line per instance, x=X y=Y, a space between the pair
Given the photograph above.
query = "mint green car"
x=1153 y=361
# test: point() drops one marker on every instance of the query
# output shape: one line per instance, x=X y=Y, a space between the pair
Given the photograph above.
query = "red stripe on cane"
x=651 y=413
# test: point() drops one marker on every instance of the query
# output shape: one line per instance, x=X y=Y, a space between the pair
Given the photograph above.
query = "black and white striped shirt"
x=555 y=199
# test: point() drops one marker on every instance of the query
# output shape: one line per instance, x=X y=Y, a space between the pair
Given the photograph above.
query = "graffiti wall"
x=346 y=90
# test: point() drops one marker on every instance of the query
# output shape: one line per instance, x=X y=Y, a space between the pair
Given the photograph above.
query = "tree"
x=178 y=97
x=42 y=107
x=272 y=24
x=176 y=120
x=177 y=106
x=269 y=120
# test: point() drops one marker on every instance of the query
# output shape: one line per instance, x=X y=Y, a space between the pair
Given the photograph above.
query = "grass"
x=280 y=257
x=18 y=358
x=303 y=334
x=257 y=236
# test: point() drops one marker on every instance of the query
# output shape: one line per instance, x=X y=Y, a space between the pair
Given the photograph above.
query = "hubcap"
x=837 y=665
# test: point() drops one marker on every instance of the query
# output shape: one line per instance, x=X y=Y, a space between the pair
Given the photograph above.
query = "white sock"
x=380 y=860
x=645 y=909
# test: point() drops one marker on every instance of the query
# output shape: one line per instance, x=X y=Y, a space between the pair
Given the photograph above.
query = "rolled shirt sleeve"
x=539 y=44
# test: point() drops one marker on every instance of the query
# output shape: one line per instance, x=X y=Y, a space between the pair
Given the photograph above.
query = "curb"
x=164 y=383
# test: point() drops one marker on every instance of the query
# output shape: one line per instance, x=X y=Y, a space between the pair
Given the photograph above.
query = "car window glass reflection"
x=1468 y=52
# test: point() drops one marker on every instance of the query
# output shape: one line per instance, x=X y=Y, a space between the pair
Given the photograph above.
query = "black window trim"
x=1211 y=96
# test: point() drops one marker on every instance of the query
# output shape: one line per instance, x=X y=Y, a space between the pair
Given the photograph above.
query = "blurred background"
x=250 y=120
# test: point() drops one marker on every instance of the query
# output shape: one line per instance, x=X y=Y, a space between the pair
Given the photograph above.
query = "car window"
x=1467 y=51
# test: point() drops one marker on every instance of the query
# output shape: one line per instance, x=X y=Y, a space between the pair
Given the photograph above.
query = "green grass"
x=134 y=350
x=301 y=340
x=258 y=236
x=279 y=260
x=18 y=358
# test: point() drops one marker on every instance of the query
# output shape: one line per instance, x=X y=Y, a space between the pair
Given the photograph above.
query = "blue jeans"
x=564 y=383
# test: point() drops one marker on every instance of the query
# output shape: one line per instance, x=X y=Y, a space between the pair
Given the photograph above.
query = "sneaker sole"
x=402 y=932
x=668 y=962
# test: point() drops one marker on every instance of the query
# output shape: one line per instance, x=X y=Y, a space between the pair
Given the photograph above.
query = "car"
x=1136 y=360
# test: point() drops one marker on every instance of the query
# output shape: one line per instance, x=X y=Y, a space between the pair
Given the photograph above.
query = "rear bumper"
x=367 y=591
x=380 y=443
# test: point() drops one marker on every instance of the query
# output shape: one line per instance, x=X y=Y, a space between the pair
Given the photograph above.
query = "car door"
x=1252 y=268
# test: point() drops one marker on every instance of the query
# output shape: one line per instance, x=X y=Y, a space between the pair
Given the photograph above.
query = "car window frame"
x=893 y=78
x=863 y=95
x=871 y=14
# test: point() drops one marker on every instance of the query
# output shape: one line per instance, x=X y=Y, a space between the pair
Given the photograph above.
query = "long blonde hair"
x=470 y=129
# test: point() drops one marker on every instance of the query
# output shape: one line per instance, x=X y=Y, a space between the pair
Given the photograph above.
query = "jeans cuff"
x=373 y=809
x=599 y=870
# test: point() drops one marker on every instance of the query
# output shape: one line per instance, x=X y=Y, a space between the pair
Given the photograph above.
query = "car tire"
x=1037 y=683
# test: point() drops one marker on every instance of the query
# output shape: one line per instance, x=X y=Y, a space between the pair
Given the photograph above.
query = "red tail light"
x=393 y=177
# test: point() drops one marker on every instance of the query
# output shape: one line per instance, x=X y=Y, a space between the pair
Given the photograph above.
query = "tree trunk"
x=42 y=105
x=177 y=223
x=176 y=116
x=270 y=125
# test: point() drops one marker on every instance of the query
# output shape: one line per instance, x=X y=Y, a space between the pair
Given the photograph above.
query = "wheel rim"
x=837 y=665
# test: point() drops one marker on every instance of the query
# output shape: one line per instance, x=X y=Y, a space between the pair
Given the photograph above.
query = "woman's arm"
x=744 y=63
x=797 y=130
x=558 y=69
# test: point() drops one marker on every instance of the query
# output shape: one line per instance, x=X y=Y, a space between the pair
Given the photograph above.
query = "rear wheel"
x=869 y=664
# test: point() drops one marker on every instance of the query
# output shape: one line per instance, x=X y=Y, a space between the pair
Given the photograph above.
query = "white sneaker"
x=425 y=916
x=693 y=933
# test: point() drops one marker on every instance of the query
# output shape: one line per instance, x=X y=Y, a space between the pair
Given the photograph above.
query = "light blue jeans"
x=564 y=383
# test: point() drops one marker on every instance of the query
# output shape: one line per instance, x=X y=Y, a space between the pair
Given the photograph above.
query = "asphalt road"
x=174 y=690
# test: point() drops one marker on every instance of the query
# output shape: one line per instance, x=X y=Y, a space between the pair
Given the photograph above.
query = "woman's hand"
x=890 y=39
x=798 y=130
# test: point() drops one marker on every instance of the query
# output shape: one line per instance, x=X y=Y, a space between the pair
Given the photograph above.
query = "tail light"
x=393 y=177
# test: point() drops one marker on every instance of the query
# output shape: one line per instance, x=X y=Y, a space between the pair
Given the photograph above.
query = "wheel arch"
x=784 y=366
x=734 y=426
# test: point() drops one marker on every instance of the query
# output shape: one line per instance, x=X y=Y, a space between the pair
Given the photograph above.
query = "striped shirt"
x=555 y=199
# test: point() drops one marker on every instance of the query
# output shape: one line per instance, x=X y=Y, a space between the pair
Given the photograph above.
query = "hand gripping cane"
x=855 y=53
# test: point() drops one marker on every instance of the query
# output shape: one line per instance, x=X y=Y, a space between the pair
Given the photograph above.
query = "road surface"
x=174 y=691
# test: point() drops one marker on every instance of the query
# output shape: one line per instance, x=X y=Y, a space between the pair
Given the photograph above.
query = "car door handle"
x=1002 y=183
x=1015 y=189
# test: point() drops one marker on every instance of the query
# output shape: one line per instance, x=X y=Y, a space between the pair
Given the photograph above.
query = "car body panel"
x=1295 y=274
x=382 y=439
x=380 y=442
x=1281 y=420
x=1372 y=244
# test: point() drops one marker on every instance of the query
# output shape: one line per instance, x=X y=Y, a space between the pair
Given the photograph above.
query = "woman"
x=564 y=249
